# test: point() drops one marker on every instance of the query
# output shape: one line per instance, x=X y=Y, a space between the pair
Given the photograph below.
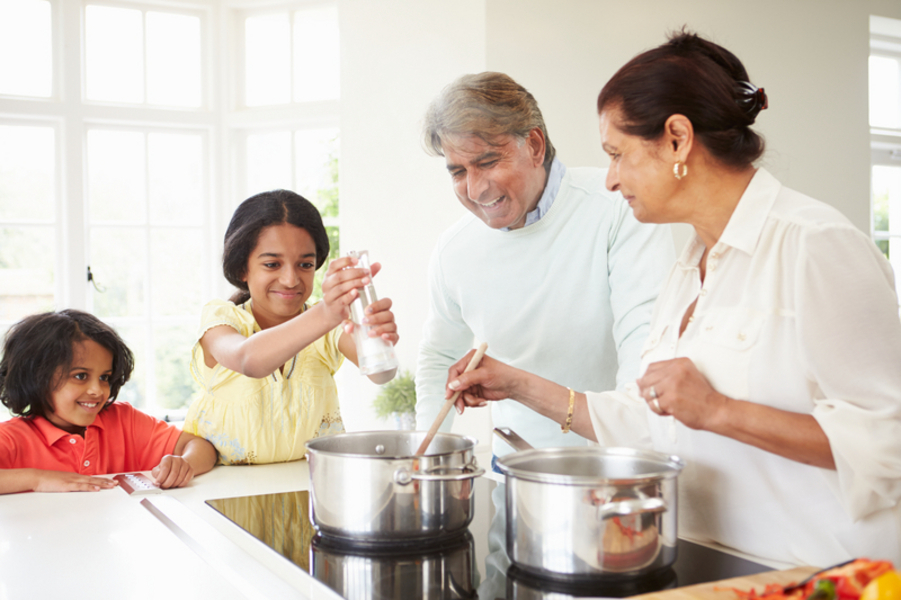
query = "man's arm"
x=445 y=339
x=640 y=257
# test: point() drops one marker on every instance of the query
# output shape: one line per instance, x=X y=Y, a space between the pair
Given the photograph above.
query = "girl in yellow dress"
x=265 y=360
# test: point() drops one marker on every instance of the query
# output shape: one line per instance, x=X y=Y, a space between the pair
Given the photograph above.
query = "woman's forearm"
x=791 y=435
x=552 y=401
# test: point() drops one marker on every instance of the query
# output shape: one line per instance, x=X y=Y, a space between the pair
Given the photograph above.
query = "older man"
x=550 y=269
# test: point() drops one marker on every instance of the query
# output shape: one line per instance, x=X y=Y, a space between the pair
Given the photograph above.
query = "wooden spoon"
x=473 y=362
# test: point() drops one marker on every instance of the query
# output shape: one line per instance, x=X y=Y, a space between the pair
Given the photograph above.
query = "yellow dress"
x=267 y=420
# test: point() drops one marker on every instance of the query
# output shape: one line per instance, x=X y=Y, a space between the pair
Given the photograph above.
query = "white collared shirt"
x=797 y=311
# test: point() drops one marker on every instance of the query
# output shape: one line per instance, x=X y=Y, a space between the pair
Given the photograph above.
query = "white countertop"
x=111 y=545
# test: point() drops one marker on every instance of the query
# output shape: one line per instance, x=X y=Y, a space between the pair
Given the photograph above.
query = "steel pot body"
x=591 y=511
x=370 y=487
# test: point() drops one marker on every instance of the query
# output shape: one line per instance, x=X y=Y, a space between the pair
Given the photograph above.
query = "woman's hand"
x=61 y=481
x=490 y=380
x=676 y=387
x=172 y=472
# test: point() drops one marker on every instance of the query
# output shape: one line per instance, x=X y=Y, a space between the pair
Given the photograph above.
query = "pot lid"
x=590 y=465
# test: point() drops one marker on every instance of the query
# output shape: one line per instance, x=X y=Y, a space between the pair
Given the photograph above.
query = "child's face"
x=280 y=273
x=84 y=390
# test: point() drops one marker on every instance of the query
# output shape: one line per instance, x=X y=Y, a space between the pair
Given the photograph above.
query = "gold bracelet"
x=569 y=414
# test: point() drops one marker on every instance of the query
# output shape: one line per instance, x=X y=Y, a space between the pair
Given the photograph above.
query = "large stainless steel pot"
x=370 y=487
x=590 y=511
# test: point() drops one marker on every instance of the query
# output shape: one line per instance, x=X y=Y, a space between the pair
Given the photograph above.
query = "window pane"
x=268 y=162
x=26 y=271
x=172 y=355
x=175 y=271
x=135 y=391
x=27 y=179
x=26 y=48
x=887 y=199
x=267 y=60
x=114 y=40
x=176 y=178
x=885 y=92
x=173 y=59
x=317 y=64
x=116 y=176
x=118 y=258
x=316 y=168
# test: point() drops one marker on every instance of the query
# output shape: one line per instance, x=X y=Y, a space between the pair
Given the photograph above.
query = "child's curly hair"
x=37 y=351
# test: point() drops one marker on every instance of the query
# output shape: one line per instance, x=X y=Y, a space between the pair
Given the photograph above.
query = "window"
x=121 y=165
x=885 y=138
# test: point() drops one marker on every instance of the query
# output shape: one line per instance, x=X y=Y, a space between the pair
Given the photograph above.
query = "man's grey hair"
x=487 y=105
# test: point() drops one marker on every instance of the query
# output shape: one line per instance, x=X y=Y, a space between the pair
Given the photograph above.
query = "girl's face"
x=84 y=390
x=280 y=273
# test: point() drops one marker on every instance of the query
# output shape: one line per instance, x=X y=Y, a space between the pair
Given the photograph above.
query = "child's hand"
x=380 y=320
x=173 y=471
x=340 y=287
x=61 y=481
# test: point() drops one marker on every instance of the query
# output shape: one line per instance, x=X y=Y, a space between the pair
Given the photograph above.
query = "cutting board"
x=714 y=591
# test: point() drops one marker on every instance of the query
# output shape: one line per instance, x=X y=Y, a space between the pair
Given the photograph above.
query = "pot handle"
x=403 y=476
x=623 y=508
x=511 y=437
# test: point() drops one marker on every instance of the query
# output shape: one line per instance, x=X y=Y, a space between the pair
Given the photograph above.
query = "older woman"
x=773 y=366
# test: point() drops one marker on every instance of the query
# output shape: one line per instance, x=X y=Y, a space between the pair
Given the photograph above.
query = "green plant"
x=396 y=396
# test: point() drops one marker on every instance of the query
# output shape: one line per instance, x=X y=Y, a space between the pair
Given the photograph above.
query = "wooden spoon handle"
x=442 y=414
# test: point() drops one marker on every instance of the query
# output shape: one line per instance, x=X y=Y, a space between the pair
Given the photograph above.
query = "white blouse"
x=797 y=311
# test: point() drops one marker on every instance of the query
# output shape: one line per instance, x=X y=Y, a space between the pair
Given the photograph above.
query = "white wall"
x=810 y=55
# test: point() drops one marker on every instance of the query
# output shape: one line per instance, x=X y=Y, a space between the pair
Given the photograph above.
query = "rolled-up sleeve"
x=850 y=341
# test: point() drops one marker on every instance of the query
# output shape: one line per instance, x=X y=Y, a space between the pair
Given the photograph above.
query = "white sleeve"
x=620 y=418
x=850 y=342
x=445 y=339
x=639 y=258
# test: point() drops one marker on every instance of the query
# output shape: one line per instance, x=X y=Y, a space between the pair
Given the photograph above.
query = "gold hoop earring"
x=676 y=170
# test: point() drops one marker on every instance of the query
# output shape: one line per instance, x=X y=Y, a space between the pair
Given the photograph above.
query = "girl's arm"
x=192 y=456
x=39 y=480
x=261 y=354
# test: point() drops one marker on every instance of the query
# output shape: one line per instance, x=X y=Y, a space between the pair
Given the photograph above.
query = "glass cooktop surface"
x=471 y=564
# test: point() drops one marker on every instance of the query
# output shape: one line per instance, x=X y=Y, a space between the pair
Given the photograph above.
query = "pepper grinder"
x=375 y=355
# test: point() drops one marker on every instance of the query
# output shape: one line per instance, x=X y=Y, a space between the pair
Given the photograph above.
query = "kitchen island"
x=168 y=545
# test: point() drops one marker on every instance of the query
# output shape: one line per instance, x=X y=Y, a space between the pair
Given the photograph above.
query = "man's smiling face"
x=500 y=182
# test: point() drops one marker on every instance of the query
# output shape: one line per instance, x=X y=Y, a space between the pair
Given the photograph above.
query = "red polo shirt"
x=120 y=439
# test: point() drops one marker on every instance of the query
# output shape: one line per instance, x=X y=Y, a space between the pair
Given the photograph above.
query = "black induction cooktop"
x=471 y=564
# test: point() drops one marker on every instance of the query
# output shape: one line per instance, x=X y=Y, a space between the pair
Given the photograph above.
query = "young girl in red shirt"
x=60 y=374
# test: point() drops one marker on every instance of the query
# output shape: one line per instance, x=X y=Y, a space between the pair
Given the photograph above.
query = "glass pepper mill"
x=375 y=355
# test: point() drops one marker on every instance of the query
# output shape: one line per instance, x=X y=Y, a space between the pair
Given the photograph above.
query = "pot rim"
x=670 y=465
x=311 y=445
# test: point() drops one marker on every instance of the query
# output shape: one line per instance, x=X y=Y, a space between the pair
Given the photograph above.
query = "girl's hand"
x=173 y=471
x=492 y=380
x=683 y=392
x=340 y=287
x=380 y=320
x=61 y=481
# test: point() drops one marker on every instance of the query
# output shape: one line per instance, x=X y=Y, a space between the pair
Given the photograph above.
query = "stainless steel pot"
x=590 y=511
x=370 y=487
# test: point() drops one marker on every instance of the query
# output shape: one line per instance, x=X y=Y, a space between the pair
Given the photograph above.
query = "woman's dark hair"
x=38 y=353
x=255 y=214
x=696 y=78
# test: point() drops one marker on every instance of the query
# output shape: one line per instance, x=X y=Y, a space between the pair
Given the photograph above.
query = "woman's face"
x=638 y=171
x=280 y=273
